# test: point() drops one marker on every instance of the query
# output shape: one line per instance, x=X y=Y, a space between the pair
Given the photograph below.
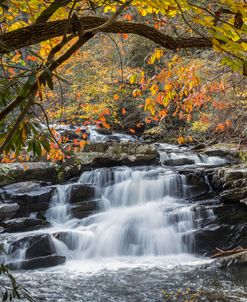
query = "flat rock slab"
x=14 y=172
x=8 y=211
x=30 y=196
x=81 y=192
x=24 y=225
x=35 y=263
x=36 y=246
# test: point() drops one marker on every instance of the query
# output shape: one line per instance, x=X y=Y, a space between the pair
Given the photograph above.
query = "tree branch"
x=47 y=13
x=41 y=79
x=37 y=33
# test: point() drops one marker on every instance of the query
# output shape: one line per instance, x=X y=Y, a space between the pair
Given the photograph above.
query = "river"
x=139 y=246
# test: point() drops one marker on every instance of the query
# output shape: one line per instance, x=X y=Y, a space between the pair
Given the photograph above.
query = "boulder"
x=229 y=151
x=83 y=209
x=233 y=195
x=24 y=224
x=8 y=211
x=132 y=153
x=118 y=154
x=199 y=147
x=178 y=162
x=239 y=183
x=97 y=147
x=228 y=175
x=39 y=262
x=30 y=196
x=40 y=171
x=36 y=246
x=81 y=192
x=213 y=236
x=226 y=229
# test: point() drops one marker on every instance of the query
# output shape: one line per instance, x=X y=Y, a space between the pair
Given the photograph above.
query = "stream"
x=140 y=243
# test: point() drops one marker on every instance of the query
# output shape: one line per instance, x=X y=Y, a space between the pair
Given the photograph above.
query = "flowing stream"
x=139 y=245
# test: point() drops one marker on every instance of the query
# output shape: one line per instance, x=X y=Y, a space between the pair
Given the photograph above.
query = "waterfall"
x=58 y=213
x=143 y=213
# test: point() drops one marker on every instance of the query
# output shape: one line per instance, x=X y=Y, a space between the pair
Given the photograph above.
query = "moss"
x=243 y=155
x=5 y=175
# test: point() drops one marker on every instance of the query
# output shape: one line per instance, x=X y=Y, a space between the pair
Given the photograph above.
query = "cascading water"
x=143 y=213
x=58 y=213
x=139 y=243
x=169 y=152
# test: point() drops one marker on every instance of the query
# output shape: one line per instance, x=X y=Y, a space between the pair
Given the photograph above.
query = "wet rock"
x=178 y=162
x=84 y=209
x=8 y=211
x=238 y=259
x=70 y=238
x=242 y=182
x=228 y=151
x=24 y=224
x=132 y=153
x=228 y=175
x=244 y=201
x=97 y=147
x=226 y=229
x=40 y=262
x=199 y=147
x=81 y=192
x=119 y=154
x=40 y=171
x=207 y=239
x=36 y=246
x=233 y=195
x=30 y=196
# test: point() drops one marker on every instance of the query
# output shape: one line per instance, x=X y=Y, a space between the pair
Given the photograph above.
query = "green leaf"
x=27 y=86
x=48 y=79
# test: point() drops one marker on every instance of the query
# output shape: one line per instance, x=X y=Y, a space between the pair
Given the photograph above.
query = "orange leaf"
x=123 y=111
x=102 y=119
x=116 y=97
x=76 y=142
x=128 y=17
x=125 y=36
x=181 y=140
x=220 y=128
x=82 y=144
x=106 y=126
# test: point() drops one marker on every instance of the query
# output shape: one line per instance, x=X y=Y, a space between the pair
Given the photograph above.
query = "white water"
x=58 y=213
x=140 y=242
x=143 y=214
x=94 y=135
x=171 y=152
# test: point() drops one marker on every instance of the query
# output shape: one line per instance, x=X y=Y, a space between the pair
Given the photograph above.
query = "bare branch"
x=37 y=33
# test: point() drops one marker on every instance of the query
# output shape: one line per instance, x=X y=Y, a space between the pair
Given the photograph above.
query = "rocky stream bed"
x=136 y=221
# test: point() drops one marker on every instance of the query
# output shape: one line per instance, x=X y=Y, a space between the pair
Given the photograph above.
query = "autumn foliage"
x=83 y=77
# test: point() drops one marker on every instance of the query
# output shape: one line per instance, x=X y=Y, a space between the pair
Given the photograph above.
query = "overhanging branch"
x=34 y=34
